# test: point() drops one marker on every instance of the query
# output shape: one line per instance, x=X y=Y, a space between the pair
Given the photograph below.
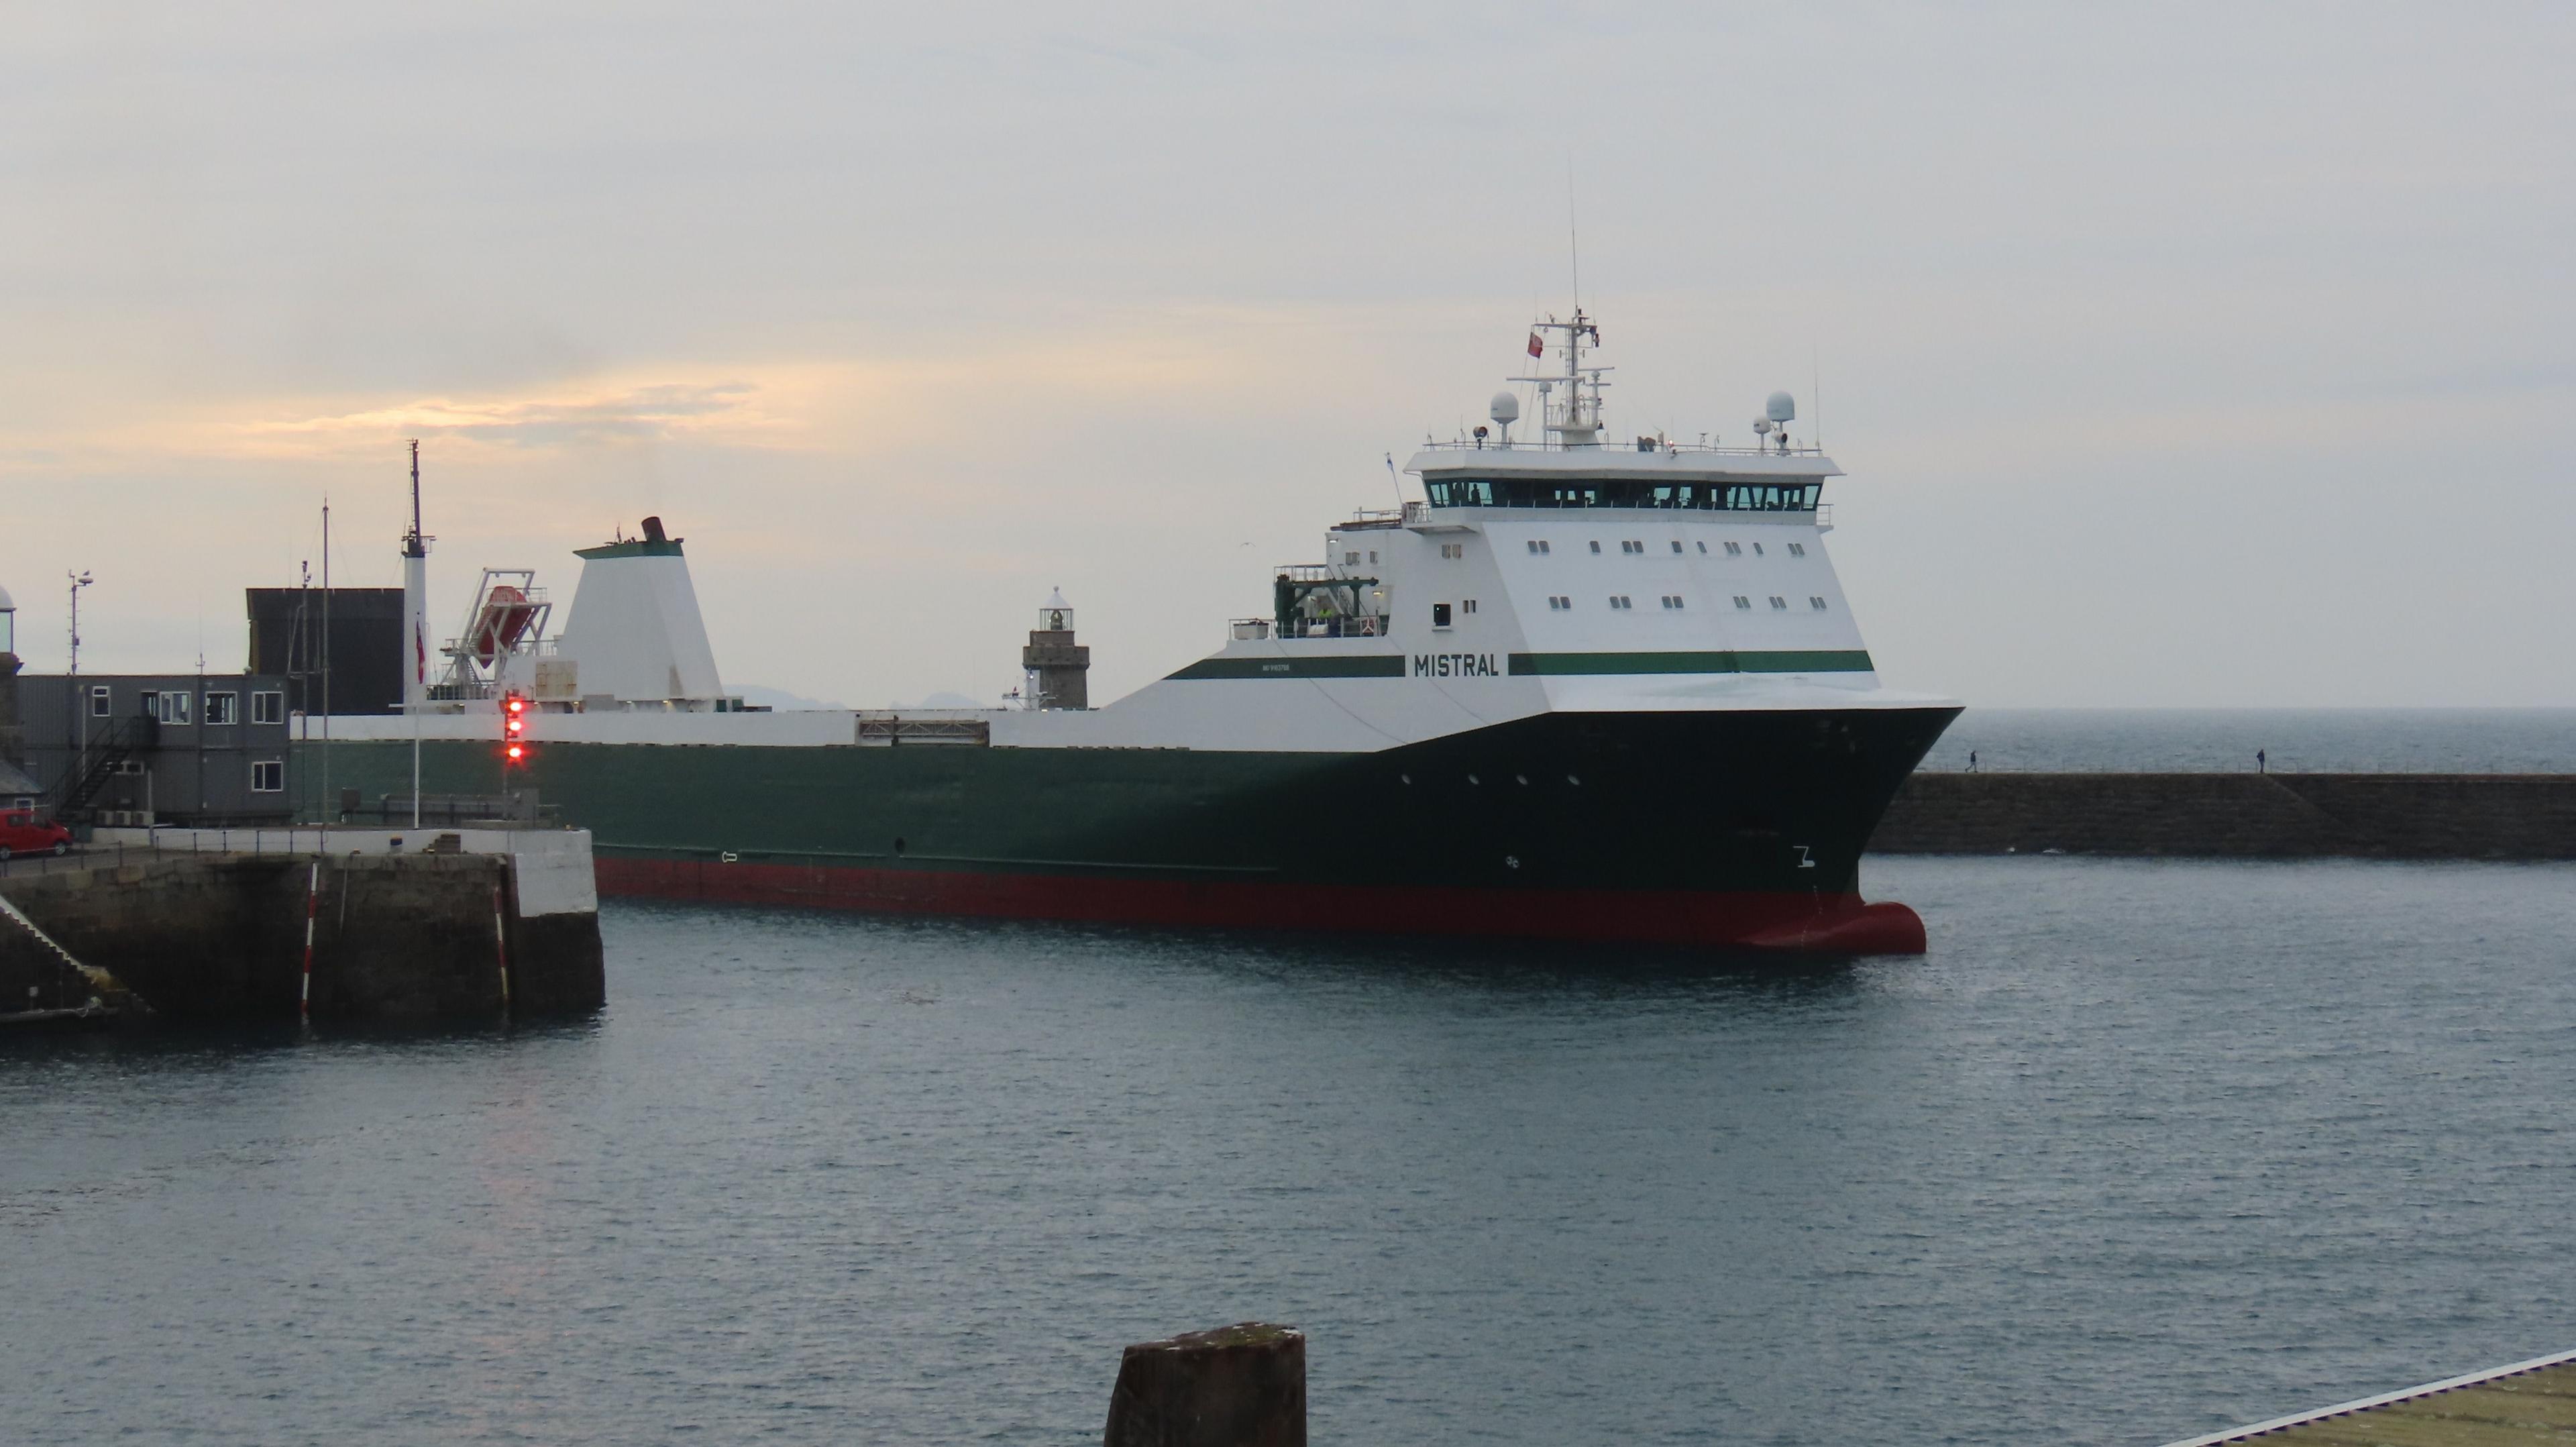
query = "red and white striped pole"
x=312 y=893
x=501 y=946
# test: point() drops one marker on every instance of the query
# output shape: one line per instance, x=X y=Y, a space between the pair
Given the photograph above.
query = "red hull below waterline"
x=1819 y=924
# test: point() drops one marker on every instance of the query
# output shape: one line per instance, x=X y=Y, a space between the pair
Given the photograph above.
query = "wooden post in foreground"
x=1236 y=1386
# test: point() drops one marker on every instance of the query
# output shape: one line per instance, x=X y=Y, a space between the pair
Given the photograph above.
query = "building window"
x=1797 y=550
x=177 y=708
x=1816 y=603
x=1439 y=615
x=1735 y=550
x=1537 y=547
x=223 y=708
x=1596 y=545
x=1743 y=602
x=268 y=708
x=268 y=776
x=1468 y=606
x=100 y=705
x=1779 y=602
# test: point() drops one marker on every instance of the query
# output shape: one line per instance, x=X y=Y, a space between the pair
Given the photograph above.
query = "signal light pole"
x=514 y=727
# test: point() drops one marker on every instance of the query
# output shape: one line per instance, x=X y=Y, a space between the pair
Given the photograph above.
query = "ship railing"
x=1364 y=625
x=1248 y=630
x=1643 y=444
x=1378 y=517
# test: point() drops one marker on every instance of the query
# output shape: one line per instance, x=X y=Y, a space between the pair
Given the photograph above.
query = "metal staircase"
x=90 y=771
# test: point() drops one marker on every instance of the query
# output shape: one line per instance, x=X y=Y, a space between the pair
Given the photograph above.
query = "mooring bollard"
x=1236 y=1386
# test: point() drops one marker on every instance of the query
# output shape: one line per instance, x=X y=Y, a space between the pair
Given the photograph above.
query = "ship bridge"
x=1670 y=475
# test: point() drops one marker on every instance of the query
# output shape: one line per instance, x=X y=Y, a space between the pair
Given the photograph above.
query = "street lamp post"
x=80 y=712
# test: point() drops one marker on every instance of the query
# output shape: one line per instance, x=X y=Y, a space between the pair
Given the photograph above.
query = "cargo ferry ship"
x=1579 y=690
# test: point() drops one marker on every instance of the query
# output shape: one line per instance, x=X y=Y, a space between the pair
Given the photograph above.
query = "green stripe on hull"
x=1810 y=660
x=1366 y=665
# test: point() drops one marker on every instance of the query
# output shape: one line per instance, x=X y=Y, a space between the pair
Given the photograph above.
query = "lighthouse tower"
x=1059 y=669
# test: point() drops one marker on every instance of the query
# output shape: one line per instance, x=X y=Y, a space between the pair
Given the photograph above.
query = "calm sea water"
x=2335 y=740
x=2139 y=1150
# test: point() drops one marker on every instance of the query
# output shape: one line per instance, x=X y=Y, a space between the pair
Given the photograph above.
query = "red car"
x=21 y=832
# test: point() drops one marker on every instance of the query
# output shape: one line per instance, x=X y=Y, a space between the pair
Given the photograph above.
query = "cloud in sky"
x=2196 y=356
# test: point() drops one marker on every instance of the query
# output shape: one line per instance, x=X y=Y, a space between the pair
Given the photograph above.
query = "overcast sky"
x=2208 y=358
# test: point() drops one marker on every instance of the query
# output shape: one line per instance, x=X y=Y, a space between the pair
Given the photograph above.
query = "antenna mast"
x=413 y=544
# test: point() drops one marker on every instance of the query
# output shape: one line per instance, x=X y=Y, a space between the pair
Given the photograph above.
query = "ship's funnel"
x=634 y=635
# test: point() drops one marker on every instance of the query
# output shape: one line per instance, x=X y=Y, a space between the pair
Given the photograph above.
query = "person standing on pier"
x=2262 y=765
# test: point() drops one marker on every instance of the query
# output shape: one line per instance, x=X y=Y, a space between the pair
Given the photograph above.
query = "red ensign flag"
x=1537 y=348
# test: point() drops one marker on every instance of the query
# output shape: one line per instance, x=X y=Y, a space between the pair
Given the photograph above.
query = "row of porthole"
x=1631 y=546
x=1521 y=779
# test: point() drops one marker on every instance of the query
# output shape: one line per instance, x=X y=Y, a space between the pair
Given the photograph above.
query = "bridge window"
x=1596 y=545
x=1779 y=602
x=1816 y=603
x=1743 y=602
x=1622 y=493
x=1797 y=550
x=1735 y=550
x=1620 y=601
x=1537 y=547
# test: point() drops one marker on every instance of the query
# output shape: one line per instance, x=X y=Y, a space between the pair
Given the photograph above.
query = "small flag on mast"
x=1537 y=347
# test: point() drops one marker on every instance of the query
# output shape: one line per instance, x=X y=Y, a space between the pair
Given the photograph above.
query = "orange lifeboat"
x=498 y=626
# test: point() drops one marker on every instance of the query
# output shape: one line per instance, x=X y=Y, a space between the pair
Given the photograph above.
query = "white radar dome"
x=1505 y=408
x=1781 y=407
x=6 y=606
x=1762 y=426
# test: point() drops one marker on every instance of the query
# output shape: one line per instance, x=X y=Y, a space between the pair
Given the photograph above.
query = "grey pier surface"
x=406 y=926
x=2250 y=815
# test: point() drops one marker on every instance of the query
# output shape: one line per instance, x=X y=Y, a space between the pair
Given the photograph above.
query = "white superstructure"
x=1556 y=575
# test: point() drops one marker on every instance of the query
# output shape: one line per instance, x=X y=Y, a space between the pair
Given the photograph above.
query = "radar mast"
x=1574 y=419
